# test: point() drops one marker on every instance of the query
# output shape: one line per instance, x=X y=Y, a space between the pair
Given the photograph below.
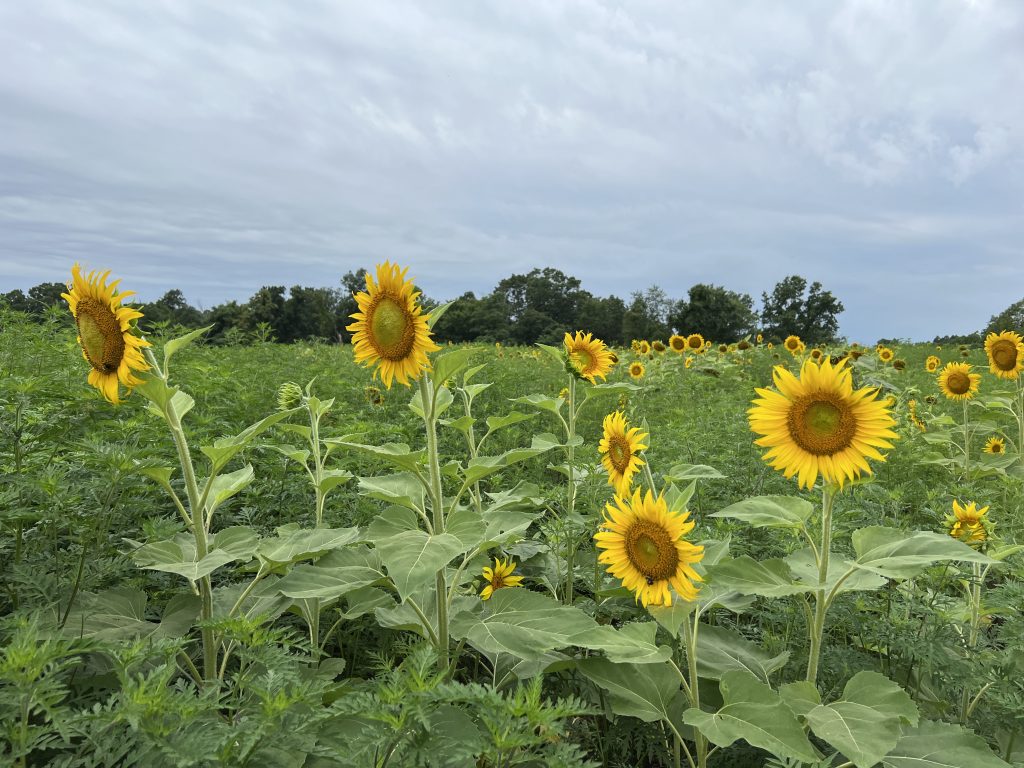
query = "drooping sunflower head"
x=499 y=576
x=793 y=344
x=957 y=382
x=105 y=332
x=899 y=364
x=658 y=346
x=689 y=362
x=587 y=357
x=885 y=354
x=637 y=370
x=645 y=348
x=817 y=424
x=968 y=523
x=390 y=329
x=643 y=544
x=620 y=449
x=677 y=343
x=743 y=345
x=932 y=364
x=995 y=446
x=695 y=342
x=1005 y=354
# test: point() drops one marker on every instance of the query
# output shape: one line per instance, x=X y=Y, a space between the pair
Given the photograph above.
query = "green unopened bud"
x=289 y=395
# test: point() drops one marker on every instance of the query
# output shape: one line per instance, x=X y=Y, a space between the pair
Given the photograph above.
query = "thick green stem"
x=821 y=601
x=690 y=639
x=437 y=509
x=570 y=452
x=972 y=634
x=967 y=443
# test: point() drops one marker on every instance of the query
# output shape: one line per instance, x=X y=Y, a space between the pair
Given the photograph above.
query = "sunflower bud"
x=289 y=395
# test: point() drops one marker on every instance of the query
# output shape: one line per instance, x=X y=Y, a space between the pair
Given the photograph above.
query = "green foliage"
x=792 y=308
x=715 y=313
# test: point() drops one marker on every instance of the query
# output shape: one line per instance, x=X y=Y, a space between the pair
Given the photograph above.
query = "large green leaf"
x=633 y=643
x=178 y=554
x=482 y=466
x=337 y=573
x=402 y=488
x=176 y=345
x=449 y=364
x=769 y=578
x=293 y=544
x=542 y=402
x=805 y=570
x=645 y=691
x=225 y=448
x=120 y=613
x=224 y=487
x=770 y=511
x=941 y=745
x=412 y=556
x=867 y=722
x=682 y=473
x=898 y=554
x=756 y=713
x=396 y=454
x=721 y=650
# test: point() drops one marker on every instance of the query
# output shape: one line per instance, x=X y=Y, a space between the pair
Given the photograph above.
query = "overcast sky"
x=875 y=146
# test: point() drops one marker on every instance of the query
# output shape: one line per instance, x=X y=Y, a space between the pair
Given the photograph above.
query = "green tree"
x=266 y=306
x=793 y=308
x=472 y=319
x=647 y=316
x=351 y=284
x=1010 y=319
x=602 y=316
x=539 y=306
x=309 y=313
x=171 y=307
x=715 y=313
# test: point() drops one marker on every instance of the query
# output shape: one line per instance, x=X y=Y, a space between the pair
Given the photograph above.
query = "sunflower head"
x=932 y=364
x=899 y=364
x=957 y=382
x=499 y=576
x=743 y=345
x=658 y=346
x=793 y=344
x=1005 y=353
x=374 y=396
x=289 y=395
x=995 y=446
x=969 y=524
x=885 y=354
x=637 y=370
x=815 y=354
x=760 y=338
x=817 y=424
x=587 y=357
x=770 y=345
x=643 y=544
x=677 y=343
x=644 y=348
x=723 y=348
x=390 y=329
x=620 y=449
x=695 y=342
x=105 y=332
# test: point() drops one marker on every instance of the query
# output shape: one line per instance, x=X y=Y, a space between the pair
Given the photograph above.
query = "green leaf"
x=614 y=388
x=438 y=312
x=682 y=473
x=448 y=365
x=181 y=403
x=178 y=554
x=756 y=713
x=176 y=345
x=633 y=643
x=768 y=578
x=332 y=478
x=161 y=474
x=801 y=697
x=120 y=613
x=293 y=544
x=555 y=353
x=225 y=449
x=770 y=511
x=226 y=486
x=156 y=390
x=721 y=650
x=541 y=402
x=898 y=554
x=402 y=488
x=411 y=556
x=482 y=466
x=805 y=570
x=866 y=723
x=941 y=745
x=467 y=525
x=397 y=454
x=494 y=423
x=644 y=691
x=326 y=583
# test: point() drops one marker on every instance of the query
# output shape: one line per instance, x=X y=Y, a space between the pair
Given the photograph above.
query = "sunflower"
x=899 y=364
x=793 y=344
x=995 y=446
x=723 y=348
x=689 y=362
x=1005 y=354
x=637 y=370
x=818 y=424
x=105 y=332
x=645 y=348
x=588 y=357
x=968 y=523
x=695 y=342
x=644 y=546
x=815 y=354
x=620 y=448
x=390 y=329
x=932 y=364
x=658 y=346
x=499 y=576
x=743 y=345
x=677 y=343
x=760 y=338
x=957 y=382
x=770 y=345
x=885 y=354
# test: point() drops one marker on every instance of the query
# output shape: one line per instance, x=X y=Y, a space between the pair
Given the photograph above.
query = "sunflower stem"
x=967 y=442
x=437 y=509
x=972 y=636
x=570 y=451
x=690 y=640
x=821 y=601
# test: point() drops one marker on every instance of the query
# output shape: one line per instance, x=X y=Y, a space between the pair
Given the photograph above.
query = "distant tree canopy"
x=793 y=309
x=1010 y=319
x=715 y=313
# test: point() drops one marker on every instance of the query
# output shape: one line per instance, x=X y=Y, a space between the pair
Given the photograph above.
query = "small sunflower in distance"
x=588 y=357
x=968 y=523
x=817 y=424
x=391 y=330
x=620 y=448
x=957 y=382
x=644 y=348
x=723 y=348
x=995 y=446
x=105 y=332
x=815 y=354
x=658 y=346
x=760 y=338
x=1005 y=354
x=637 y=370
x=643 y=545
x=695 y=342
x=677 y=343
x=885 y=354
x=932 y=364
x=793 y=345
x=499 y=576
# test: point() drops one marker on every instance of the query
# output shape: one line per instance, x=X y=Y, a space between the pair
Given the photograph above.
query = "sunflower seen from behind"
x=390 y=330
x=643 y=543
x=818 y=424
x=587 y=357
x=620 y=449
x=957 y=382
x=1005 y=353
x=105 y=332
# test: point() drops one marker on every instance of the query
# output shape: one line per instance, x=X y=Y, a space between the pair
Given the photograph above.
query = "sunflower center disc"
x=101 y=336
x=821 y=425
x=392 y=329
x=1004 y=355
x=958 y=383
x=619 y=453
x=651 y=551
x=582 y=359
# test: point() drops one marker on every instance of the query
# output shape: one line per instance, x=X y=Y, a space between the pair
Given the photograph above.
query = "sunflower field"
x=680 y=553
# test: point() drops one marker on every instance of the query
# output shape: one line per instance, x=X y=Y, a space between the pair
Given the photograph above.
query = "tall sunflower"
x=817 y=424
x=620 y=448
x=391 y=330
x=957 y=382
x=637 y=370
x=932 y=364
x=105 y=332
x=499 y=576
x=695 y=342
x=968 y=523
x=643 y=545
x=677 y=343
x=1005 y=354
x=589 y=357
x=995 y=446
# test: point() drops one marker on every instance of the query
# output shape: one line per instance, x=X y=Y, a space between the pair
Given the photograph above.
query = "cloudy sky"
x=874 y=145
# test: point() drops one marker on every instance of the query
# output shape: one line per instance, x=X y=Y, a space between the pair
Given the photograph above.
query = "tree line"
x=539 y=306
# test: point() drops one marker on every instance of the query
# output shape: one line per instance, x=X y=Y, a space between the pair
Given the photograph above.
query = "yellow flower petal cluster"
x=620 y=449
x=643 y=544
x=1005 y=353
x=589 y=357
x=637 y=370
x=677 y=343
x=794 y=345
x=105 y=332
x=817 y=424
x=957 y=382
x=885 y=354
x=968 y=523
x=932 y=364
x=995 y=446
x=695 y=342
x=499 y=576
